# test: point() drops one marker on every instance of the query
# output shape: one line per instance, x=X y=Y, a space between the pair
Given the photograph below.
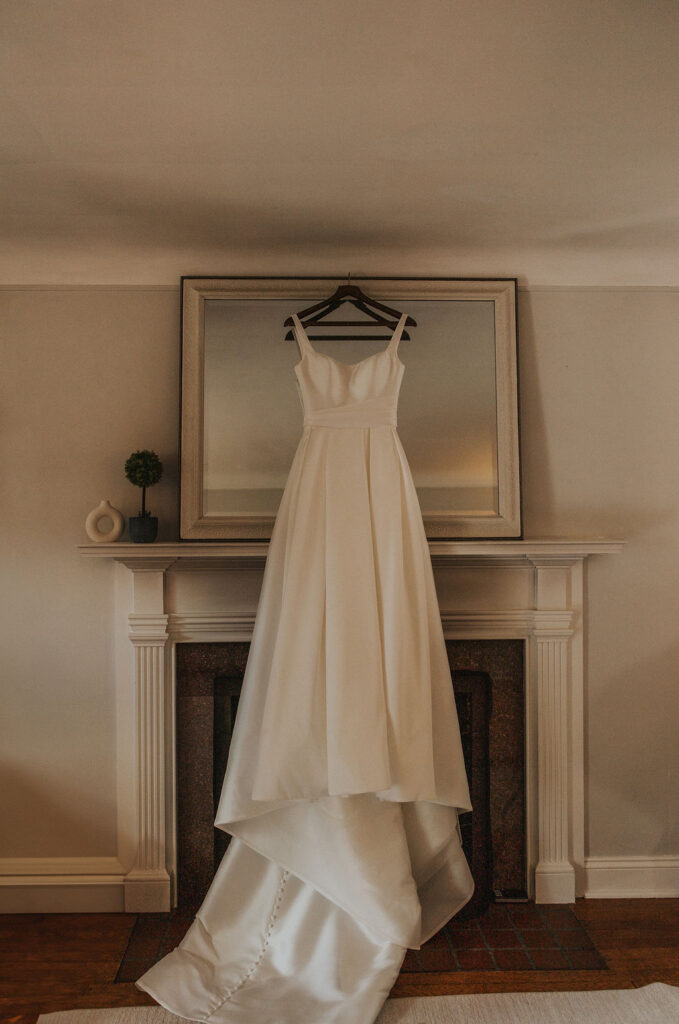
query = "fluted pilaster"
x=147 y=885
x=552 y=634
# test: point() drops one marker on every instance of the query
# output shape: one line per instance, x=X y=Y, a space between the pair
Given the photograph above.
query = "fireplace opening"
x=488 y=683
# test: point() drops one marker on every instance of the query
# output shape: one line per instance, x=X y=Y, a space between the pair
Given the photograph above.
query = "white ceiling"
x=145 y=139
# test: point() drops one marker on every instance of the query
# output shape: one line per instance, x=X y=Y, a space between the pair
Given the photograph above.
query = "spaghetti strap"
x=396 y=336
x=301 y=336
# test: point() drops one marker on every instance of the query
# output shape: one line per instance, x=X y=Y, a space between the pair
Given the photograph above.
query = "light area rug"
x=651 y=1004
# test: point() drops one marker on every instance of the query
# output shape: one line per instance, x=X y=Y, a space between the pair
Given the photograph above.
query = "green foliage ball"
x=143 y=468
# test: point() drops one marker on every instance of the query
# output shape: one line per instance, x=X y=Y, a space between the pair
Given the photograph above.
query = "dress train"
x=268 y=948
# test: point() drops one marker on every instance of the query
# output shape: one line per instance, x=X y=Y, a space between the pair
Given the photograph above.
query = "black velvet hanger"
x=379 y=315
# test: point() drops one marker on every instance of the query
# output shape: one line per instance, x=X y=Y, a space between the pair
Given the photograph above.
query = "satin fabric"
x=351 y=687
x=267 y=949
x=345 y=773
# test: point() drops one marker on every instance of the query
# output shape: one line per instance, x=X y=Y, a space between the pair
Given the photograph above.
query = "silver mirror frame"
x=196 y=291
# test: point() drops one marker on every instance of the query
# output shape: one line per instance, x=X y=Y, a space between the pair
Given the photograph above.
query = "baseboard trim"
x=631 y=877
x=61 y=885
x=59 y=866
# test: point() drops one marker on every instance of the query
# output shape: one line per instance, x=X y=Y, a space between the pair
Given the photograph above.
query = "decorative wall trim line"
x=90 y=288
x=148 y=630
x=97 y=883
x=631 y=877
x=32 y=867
x=176 y=288
x=255 y=560
x=62 y=894
x=188 y=627
x=598 y=288
x=192 y=555
x=501 y=625
x=443 y=560
x=210 y=627
x=33 y=881
x=54 y=885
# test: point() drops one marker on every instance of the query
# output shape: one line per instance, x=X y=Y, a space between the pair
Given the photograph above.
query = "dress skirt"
x=345 y=774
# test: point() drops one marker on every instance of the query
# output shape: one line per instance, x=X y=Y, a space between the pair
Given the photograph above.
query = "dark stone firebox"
x=488 y=684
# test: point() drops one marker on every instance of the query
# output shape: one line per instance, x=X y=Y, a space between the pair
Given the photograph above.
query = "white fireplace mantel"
x=239 y=553
x=168 y=593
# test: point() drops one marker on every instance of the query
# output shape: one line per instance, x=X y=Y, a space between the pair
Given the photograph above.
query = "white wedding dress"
x=345 y=775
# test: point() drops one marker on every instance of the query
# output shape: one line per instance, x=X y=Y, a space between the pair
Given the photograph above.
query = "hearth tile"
x=471 y=939
x=461 y=925
x=475 y=960
x=436 y=959
x=495 y=917
x=512 y=959
x=559 y=917
x=549 y=959
x=472 y=947
x=501 y=938
x=527 y=915
x=538 y=938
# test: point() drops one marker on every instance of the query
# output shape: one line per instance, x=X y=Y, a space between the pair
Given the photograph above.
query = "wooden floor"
x=69 y=961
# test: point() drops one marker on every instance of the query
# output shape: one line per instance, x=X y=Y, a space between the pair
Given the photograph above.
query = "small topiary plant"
x=143 y=469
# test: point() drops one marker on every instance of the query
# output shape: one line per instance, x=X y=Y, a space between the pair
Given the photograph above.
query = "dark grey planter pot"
x=143 y=529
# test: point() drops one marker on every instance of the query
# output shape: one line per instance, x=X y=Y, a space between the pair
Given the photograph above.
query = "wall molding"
x=598 y=288
x=97 y=884
x=90 y=288
x=521 y=287
x=28 y=866
x=53 y=885
x=631 y=877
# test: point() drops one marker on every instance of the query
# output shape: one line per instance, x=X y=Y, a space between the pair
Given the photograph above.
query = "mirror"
x=242 y=417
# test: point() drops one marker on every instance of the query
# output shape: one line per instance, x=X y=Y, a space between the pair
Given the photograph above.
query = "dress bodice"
x=335 y=394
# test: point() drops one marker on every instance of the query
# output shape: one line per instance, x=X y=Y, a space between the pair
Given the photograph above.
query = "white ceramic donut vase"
x=104 y=510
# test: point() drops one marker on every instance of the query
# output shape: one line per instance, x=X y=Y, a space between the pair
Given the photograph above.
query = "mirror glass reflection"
x=252 y=415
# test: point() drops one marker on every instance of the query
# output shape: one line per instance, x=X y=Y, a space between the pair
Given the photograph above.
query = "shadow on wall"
x=536 y=481
x=47 y=810
x=161 y=221
x=635 y=761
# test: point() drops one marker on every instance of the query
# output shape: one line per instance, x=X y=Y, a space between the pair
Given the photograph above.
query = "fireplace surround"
x=165 y=594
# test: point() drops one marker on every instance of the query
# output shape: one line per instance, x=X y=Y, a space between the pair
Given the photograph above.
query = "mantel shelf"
x=198 y=554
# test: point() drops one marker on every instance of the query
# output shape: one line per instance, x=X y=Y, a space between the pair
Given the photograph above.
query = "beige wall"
x=87 y=377
x=600 y=429
x=90 y=375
